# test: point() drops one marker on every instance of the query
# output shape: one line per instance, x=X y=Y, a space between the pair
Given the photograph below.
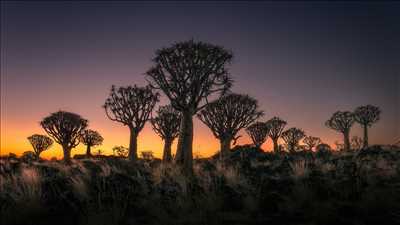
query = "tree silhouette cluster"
x=227 y=115
x=342 y=121
x=131 y=106
x=190 y=74
x=311 y=142
x=292 y=137
x=65 y=128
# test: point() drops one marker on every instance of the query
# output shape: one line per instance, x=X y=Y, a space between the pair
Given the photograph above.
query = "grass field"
x=249 y=187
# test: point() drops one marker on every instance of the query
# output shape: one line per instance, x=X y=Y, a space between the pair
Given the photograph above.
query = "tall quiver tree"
x=188 y=73
x=227 y=115
x=40 y=143
x=131 y=106
x=166 y=125
x=311 y=142
x=292 y=137
x=90 y=138
x=366 y=116
x=276 y=125
x=65 y=128
x=258 y=133
x=342 y=121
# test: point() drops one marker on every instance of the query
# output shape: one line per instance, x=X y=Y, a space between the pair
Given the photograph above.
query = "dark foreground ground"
x=252 y=187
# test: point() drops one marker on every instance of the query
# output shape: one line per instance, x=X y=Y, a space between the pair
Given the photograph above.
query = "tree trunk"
x=88 y=154
x=132 y=145
x=346 y=135
x=167 y=157
x=184 y=151
x=67 y=154
x=225 y=147
x=276 y=146
x=365 y=140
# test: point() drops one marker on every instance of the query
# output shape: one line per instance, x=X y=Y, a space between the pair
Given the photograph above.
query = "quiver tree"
x=166 y=125
x=90 y=138
x=65 y=128
x=311 y=142
x=120 y=151
x=342 y=122
x=292 y=137
x=188 y=73
x=131 y=106
x=40 y=143
x=366 y=116
x=276 y=126
x=258 y=133
x=227 y=115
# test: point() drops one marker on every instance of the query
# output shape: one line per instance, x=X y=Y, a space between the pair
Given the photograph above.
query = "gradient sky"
x=301 y=61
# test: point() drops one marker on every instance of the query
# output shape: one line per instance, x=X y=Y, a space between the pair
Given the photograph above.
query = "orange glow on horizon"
x=204 y=145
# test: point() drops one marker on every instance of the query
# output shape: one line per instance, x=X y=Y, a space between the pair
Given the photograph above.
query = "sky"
x=302 y=61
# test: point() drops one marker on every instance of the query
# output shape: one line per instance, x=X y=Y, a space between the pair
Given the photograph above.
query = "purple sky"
x=301 y=61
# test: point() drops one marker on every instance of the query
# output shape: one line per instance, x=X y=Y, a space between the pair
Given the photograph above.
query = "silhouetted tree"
x=121 y=151
x=227 y=115
x=342 y=122
x=90 y=138
x=65 y=128
x=166 y=125
x=40 y=143
x=147 y=155
x=311 y=142
x=366 y=116
x=292 y=137
x=131 y=106
x=188 y=73
x=356 y=142
x=258 y=133
x=276 y=125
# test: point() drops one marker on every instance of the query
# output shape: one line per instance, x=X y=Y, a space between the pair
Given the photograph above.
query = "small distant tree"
x=131 y=106
x=342 y=122
x=166 y=125
x=189 y=73
x=258 y=133
x=311 y=142
x=65 y=128
x=227 y=115
x=366 y=116
x=121 y=151
x=356 y=142
x=147 y=155
x=91 y=138
x=292 y=137
x=28 y=156
x=99 y=152
x=276 y=125
x=40 y=143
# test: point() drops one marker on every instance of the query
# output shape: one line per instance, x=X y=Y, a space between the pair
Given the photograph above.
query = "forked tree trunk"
x=88 y=153
x=365 y=140
x=167 y=156
x=184 y=154
x=132 y=145
x=225 y=147
x=346 y=141
x=276 y=146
